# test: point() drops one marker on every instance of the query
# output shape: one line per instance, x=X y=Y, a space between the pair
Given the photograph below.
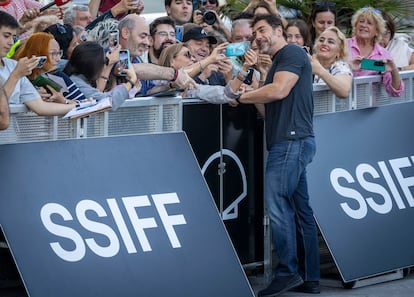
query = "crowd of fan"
x=76 y=43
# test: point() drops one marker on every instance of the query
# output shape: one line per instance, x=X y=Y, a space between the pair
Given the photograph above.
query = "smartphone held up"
x=124 y=62
x=41 y=60
x=237 y=49
x=374 y=65
x=113 y=39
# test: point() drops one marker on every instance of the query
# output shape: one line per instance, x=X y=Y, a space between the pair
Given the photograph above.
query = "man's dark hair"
x=7 y=20
x=271 y=19
x=243 y=15
x=165 y=20
x=167 y=2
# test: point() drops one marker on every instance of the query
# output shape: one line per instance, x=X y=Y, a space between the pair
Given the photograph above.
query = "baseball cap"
x=198 y=33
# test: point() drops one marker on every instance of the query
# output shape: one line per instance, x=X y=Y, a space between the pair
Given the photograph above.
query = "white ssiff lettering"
x=139 y=225
x=388 y=195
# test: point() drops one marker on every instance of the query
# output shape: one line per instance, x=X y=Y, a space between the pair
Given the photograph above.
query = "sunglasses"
x=204 y=2
x=321 y=4
x=374 y=10
x=188 y=54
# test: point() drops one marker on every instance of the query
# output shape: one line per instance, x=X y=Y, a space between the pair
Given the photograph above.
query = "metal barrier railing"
x=136 y=116
x=367 y=91
x=154 y=115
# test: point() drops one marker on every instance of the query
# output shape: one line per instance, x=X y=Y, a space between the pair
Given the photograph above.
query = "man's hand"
x=263 y=63
x=29 y=15
x=208 y=71
x=226 y=68
x=25 y=66
x=124 y=6
x=184 y=81
x=48 y=94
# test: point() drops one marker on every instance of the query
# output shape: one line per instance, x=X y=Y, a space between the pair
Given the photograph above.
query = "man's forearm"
x=148 y=71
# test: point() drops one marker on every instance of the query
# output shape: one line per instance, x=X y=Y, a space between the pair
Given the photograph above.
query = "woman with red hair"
x=35 y=46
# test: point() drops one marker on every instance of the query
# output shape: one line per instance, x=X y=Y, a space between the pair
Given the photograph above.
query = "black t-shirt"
x=291 y=117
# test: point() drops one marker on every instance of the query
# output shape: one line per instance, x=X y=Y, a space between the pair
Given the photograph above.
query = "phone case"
x=237 y=49
x=124 y=62
x=374 y=65
x=179 y=33
x=42 y=81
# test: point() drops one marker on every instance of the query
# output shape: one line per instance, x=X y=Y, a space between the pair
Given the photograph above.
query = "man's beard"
x=157 y=52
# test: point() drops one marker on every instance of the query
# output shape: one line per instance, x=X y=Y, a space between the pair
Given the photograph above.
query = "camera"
x=209 y=17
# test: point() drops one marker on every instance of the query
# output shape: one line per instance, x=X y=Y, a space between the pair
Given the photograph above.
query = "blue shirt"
x=146 y=84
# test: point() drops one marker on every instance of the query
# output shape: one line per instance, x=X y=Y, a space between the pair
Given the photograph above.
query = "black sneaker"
x=311 y=287
x=281 y=284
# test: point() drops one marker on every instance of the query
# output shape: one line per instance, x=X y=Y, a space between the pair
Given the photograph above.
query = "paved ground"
x=397 y=288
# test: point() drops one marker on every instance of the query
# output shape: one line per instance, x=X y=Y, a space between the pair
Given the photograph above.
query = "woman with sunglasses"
x=323 y=15
x=368 y=27
x=179 y=56
x=35 y=46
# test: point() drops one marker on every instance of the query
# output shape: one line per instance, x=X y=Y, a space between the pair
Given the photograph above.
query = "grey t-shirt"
x=24 y=91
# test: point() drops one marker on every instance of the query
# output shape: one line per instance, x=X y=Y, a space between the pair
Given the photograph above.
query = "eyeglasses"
x=368 y=8
x=204 y=2
x=57 y=54
x=165 y=34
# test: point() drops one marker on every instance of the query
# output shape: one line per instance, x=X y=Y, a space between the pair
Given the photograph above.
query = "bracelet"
x=238 y=100
x=104 y=77
x=201 y=67
x=262 y=81
x=175 y=75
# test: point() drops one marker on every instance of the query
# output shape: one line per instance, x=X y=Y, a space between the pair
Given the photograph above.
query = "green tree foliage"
x=399 y=9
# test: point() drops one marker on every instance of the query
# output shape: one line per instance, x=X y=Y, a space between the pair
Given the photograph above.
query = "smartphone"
x=43 y=81
x=375 y=65
x=237 y=49
x=123 y=61
x=179 y=33
x=41 y=60
x=249 y=78
x=113 y=39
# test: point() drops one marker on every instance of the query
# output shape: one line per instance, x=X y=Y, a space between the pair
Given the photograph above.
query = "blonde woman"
x=329 y=62
x=368 y=27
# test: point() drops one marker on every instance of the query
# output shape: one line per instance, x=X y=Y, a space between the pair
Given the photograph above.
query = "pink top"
x=378 y=53
x=17 y=7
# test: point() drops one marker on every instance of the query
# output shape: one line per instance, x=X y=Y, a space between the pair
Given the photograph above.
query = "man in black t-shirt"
x=288 y=99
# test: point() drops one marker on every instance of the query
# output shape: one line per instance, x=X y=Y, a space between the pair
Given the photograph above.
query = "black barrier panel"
x=361 y=184
x=117 y=216
x=243 y=170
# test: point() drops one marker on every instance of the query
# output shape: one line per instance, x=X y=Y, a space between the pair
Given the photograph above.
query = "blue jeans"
x=294 y=231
